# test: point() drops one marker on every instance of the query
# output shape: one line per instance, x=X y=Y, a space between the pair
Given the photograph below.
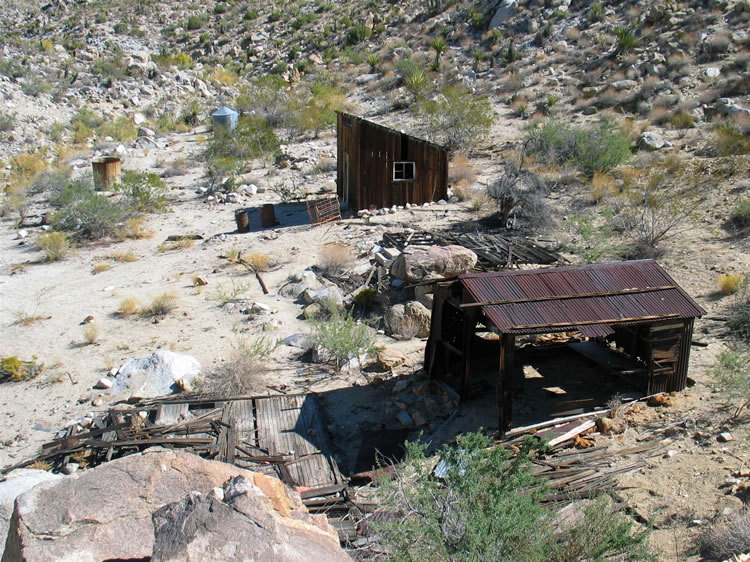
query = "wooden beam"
x=591 y=322
x=566 y=297
x=504 y=388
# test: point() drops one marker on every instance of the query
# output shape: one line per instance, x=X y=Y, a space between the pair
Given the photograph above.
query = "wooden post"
x=504 y=384
x=470 y=322
x=440 y=293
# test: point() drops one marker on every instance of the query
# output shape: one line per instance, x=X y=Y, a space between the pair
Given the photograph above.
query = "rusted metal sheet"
x=609 y=295
x=366 y=154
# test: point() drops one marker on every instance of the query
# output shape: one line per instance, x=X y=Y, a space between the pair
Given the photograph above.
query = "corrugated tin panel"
x=604 y=299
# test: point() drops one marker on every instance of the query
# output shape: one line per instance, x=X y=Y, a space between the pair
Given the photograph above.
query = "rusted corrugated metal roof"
x=589 y=298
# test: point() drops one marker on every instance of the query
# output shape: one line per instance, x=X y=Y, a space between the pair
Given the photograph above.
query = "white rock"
x=103 y=384
x=158 y=374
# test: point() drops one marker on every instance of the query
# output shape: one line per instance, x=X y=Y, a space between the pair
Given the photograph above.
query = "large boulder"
x=13 y=485
x=106 y=513
x=158 y=374
x=506 y=9
x=436 y=262
x=246 y=520
x=408 y=320
x=299 y=283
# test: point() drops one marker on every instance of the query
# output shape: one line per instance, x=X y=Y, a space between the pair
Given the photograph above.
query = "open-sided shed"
x=380 y=167
x=636 y=304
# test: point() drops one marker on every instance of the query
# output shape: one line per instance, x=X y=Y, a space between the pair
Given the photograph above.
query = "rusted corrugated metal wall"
x=372 y=149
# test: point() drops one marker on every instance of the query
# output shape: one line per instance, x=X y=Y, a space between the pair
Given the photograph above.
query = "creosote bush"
x=342 y=336
x=731 y=376
x=596 y=148
x=485 y=504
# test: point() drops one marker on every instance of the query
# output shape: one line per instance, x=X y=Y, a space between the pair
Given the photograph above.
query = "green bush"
x=55 y=245
x=596 y=148
x=740 y=215
x=358 y=33
x=730 y=140
x=485 y=504
x=121 y=129
x=193 y=23
x=731 y=377
x=342 y=336
x=144 y=191
x=739 y=318
x=456 y=118
x=85 y=212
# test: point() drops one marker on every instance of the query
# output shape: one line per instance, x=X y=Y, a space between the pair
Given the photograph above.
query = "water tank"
x=224 y=118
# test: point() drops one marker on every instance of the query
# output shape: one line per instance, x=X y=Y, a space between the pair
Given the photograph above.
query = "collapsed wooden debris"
x=493 y=250
x=282 y=436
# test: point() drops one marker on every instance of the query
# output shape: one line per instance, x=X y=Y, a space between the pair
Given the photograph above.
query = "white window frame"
x=400 y=168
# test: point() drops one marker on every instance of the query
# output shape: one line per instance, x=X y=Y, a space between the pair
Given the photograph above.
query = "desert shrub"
x=456 y=118
x=730 y=140
x=268 y=97
x=85 y=212
x=597 y=239
x=144 y=191
x=519 y=196
x=626 y=39
x=731 y=377
x=239 y=374
x=485 y=504
x=121 y=129
x=129 y=307
x=123 y=256
x=100 y=267
x=14 y=369
x=657 y=205
x=597 y=148
x=27 y=165
x=109 y=68
x=7 y=122
x=729 y=283
x=228 y=152
x=335 y=258
x=366 y=297
x=602 y=186
x=681 y=119
x=161 y=304
x=728 y=538
x=740 y=214
x=232 y=292
x=358 y=33
x=193 y=23
x=416 y=81
x=342 y=336
x=35 y=85
x=739 y=317
x=314 y=107
x=55 y=245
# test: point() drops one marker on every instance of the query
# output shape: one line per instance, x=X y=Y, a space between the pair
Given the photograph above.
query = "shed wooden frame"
x=637 y=304
x=366 y=154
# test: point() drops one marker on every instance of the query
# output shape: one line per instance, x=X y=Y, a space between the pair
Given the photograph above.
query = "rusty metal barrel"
x=106 y=172
x=267 y=215
x=242 y=218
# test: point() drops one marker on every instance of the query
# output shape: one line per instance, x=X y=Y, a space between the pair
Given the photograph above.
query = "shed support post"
x=470 y=323
x=504 y=383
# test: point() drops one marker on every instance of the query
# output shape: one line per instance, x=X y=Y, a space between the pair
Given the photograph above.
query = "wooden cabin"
x=380 y=167
x=632 y=309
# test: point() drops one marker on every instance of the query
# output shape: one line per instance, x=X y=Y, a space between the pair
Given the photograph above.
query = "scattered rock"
x=404 y=417
x=158 y=374
x=408 y=320
x=436 y=262
x=611 y=426
x=659 y=400
x=507 y=9
x=652 y=141
x=724 y=437
x=312 y=311
x=389 y=359
x=325 y=296
x=299 y=283
x=103 y=384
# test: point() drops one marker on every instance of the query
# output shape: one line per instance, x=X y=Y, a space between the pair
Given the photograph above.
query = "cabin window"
x=403 y=171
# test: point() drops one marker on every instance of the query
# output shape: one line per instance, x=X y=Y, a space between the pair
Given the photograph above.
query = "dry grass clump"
x=181 y=244
x=461 y=171
x=161 y=304
x=27 y=319
x=602 y=186
x=240 y=375
x=134 y=229
x=233 y=254
x=90 y=334
x=258 y=261
x=335 y=257
x=100 y=267
x=129 y=307
x=129 y=256
x=729 y=283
